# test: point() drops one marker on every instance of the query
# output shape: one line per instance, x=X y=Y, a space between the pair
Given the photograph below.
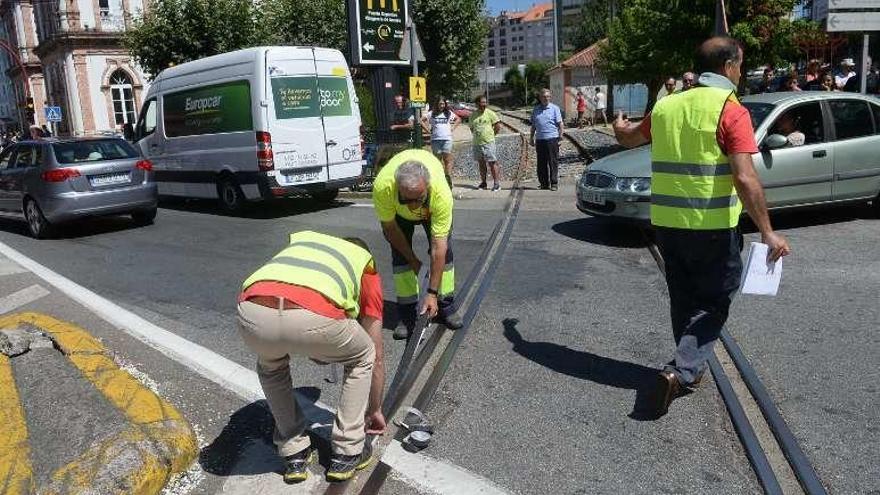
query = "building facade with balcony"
x=520 y=37
x=82 y=65
x=22 y=72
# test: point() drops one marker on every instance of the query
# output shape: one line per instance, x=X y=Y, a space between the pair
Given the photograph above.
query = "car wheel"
x=231 y=197
x=325 y=196
x=37 y=223
x=144 y=217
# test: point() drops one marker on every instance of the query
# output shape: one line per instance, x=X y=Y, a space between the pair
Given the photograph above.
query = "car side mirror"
x=774 y=141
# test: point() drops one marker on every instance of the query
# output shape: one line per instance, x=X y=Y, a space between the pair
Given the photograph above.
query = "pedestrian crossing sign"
x=53 y=114
x=418 y=89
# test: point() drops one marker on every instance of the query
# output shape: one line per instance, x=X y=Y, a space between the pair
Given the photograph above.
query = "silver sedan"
x=46 y=182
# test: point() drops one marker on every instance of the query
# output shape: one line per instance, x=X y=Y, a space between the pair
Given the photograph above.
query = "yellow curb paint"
x=157 y=430
x=16 y=476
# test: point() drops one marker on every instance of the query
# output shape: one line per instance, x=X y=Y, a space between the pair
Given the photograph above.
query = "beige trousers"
x=275 y=335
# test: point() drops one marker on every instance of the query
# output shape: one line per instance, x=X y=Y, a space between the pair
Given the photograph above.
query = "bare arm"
x=628 y=133
x=496 y=127
x=373 y=326
x=751 y=193
x=395 y=237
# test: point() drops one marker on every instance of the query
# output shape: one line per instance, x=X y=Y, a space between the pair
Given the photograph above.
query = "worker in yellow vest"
x=319 y=297
x=702 y=174
x=411 y=189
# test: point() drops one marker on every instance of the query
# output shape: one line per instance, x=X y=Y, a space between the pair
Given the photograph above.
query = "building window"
x=123 y=100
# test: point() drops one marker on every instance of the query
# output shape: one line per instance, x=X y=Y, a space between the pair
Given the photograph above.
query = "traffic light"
x=29 y=109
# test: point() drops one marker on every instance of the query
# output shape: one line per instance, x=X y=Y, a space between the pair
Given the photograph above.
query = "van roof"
x=230 y=58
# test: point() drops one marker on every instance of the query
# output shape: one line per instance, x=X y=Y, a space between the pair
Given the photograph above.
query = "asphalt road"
x=543 y=395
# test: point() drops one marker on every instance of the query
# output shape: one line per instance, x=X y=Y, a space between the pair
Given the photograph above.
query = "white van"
x=254 y=124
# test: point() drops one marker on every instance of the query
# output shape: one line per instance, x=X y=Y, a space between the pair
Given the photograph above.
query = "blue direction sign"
x=53 y=114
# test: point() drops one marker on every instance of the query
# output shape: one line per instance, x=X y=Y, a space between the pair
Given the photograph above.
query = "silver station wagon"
x=815 y=148
x=49 y=181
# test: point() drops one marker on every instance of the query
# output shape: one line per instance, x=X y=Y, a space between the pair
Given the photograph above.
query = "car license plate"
x=301 y=175
x=110 y=179
x=594 y=197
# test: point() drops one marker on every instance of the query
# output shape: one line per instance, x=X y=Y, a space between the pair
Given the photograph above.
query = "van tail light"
x=60 y=174
x=363 y=142
x=145 y=165
x=265 y=158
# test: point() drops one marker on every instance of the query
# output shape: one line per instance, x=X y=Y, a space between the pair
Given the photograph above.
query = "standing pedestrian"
x=828 y=83
x=791 y=84
x=443 y=123
x=410 y=190
x=811 y=73
x=599 y=104
x=846 y=72
x=669 y=86
x=581 y=108
x=402 y=122
x=546 y=132
x=687 y=81
x=766 y=84
x=485 y=124
x=700 y=183
x=319 y=297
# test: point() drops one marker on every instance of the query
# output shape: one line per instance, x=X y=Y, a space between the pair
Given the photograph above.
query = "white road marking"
x=436 y=476
x=420 y=470
x=9 y=267
x=20 y=298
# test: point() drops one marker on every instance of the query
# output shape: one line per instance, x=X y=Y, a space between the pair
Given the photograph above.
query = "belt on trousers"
x=274 y=302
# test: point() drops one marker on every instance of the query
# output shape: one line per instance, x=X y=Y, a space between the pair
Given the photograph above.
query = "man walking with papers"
x=702 y=174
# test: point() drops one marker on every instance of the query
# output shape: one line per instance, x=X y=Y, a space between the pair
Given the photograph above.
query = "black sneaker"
x=496 y=187
x=553 y=187
x=482 y=185
x=343 y=467
x=296 y=466
x=452 y=321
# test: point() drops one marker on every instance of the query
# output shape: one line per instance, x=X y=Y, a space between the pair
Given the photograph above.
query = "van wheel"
x=231 y=197
x=37 y=223
x=325 y=196
x=876 y=205
x=144 y=217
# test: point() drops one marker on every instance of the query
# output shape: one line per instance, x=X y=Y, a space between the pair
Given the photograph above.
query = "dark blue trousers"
x=703 y=270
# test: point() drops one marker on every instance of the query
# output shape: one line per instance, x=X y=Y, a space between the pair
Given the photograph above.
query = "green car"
x=815 y=148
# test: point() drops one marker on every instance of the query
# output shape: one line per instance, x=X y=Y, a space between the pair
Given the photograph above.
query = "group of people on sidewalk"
x=321 y=296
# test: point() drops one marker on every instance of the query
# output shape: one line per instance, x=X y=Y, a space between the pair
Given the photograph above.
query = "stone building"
x=73 y=53
x=520 y=37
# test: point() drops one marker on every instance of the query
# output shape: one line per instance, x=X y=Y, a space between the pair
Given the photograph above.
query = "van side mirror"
x=774 y=141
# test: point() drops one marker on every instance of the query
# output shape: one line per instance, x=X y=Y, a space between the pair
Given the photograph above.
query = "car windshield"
x=758 y=111
x=93 y=151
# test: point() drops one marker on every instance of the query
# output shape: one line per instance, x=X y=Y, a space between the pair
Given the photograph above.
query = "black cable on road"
x=798 y=460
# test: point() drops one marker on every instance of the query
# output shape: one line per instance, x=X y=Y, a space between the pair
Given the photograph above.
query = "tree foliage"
x=592 y=25
x=525 y=89
x=308 y=23
x=453 y=36
x=177 y=31
x=650 y=40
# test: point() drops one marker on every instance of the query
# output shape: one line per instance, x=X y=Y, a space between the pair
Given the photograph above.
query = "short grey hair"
x=411 y=174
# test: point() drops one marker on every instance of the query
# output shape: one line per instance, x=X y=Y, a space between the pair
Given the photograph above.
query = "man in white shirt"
x=599 y=105
x=845 y=73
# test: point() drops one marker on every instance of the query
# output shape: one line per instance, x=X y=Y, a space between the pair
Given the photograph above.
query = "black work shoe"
x=402 y=331
x=343 y=467
x=553 y=187
x=296 y=466
x=667 y=390
x=452 y=321
x=482 y=185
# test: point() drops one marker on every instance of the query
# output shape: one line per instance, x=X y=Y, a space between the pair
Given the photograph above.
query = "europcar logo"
x=203 y=104
x=332 y=98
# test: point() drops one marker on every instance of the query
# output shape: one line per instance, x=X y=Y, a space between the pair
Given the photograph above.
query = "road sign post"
x=858 y=15
x=377 y=29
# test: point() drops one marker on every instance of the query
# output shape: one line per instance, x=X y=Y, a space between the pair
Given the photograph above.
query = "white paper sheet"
x=761 y=277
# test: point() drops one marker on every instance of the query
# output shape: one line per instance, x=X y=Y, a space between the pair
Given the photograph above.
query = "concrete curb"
x=157 y=443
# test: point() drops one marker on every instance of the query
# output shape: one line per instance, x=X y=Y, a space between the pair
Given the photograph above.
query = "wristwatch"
x=433 y=291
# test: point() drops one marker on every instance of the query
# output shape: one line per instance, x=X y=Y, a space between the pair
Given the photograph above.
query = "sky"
x=496 y=6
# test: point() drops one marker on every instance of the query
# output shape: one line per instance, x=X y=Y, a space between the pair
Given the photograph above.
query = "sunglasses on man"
x=420 y=201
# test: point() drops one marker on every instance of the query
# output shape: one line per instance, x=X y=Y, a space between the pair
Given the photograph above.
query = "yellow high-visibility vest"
x=326 y=264
x=691 y=179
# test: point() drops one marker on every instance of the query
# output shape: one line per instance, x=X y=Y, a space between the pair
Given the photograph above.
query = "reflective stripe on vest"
x=326 y=264
x=691 y=181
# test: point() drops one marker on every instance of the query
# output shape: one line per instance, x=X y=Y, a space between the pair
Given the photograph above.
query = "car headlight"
x=633 y=184
x=641 y=185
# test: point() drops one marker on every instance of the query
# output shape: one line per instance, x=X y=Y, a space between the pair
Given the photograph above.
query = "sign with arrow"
x=854 y=4
x=376 y=31
x=854 y=21
x=418 y=90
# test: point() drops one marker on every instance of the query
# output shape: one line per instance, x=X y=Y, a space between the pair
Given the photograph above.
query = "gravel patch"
x=507 y=146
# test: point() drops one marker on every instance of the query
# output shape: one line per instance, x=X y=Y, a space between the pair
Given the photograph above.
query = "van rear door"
x=342 y=120
x=294 y=116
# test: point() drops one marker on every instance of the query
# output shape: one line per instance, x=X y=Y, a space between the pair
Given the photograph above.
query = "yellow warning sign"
x=418 y=89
